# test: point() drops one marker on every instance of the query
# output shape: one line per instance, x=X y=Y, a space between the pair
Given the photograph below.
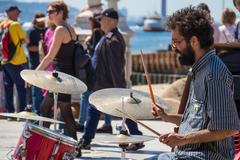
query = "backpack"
x=82 y=65
x=8 y=47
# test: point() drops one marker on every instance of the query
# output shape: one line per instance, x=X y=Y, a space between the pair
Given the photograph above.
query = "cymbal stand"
x=123 y=152
x=124 y=131
x=55 y=97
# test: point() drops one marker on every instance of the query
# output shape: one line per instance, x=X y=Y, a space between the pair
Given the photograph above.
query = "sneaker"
x=80 y=127
x=135 y=146
x=105 y=129
x=83 y=145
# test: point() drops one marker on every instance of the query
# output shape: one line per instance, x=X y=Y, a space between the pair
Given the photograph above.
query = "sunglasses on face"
x=51 y=11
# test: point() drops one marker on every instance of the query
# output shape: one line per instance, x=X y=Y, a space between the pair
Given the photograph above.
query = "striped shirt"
x=210 y=106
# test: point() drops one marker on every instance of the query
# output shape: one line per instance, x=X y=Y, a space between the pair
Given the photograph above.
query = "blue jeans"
x=83 y=110
x=37 y=98
x=37 y=95
x=92 y=122
x=83 y=107
x=11 y=76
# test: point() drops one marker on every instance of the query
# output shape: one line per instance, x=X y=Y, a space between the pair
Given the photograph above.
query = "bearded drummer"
x=210 y=118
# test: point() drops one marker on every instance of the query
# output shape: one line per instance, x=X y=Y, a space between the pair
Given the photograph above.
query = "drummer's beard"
x=186 y=55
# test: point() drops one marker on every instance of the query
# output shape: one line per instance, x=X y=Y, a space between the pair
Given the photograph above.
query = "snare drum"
x=44 y=144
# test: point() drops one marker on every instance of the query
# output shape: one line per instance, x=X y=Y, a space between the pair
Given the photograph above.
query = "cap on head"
x=12 y=8
x=110 y=13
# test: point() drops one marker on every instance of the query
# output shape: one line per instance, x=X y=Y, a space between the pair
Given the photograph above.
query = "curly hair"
x=190 y=22
x=60 y=6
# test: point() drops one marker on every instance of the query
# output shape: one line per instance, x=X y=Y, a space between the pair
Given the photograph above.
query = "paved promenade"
x=11 y=131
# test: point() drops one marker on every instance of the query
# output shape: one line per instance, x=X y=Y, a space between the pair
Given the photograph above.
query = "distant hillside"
x=29 y=9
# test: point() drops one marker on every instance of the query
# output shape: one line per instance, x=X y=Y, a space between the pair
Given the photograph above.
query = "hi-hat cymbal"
x=136 y=103
x=123 y=139
x=57 y=82
x=29 y=116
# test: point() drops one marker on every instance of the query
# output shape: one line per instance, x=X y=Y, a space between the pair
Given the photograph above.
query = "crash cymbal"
x=123 y=139
x=57 y=82
x=29 y=116
x=137 y=103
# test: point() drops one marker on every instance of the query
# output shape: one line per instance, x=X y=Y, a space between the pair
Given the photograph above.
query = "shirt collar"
x=202 y=61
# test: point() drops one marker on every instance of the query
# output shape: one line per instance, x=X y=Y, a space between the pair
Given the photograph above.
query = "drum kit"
x=42 y=143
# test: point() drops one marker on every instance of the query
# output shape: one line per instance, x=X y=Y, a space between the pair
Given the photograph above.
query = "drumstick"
x=149 y=83
x=135 y=120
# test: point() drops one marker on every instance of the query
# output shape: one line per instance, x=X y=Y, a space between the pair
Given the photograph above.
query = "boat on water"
x=154 y=23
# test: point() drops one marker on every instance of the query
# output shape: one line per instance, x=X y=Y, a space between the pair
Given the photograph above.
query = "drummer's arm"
x=172 y=118
x=54 y=48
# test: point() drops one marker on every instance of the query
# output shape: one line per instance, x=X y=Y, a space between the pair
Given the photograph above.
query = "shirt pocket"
x=196 y=117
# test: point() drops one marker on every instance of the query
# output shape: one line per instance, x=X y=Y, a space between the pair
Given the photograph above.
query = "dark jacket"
x=110 y=62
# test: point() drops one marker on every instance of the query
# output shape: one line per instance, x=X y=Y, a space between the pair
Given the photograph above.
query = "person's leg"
x=106 y=127
x=91 y=124
x=20 y=85
x=133 y=127
x=66 y=114
x=37 y=98
x=8 y=88
x=46 y=108
x=83 y=107
x=107 y=120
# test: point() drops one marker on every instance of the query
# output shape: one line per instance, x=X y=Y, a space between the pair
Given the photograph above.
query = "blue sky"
x=144 y=7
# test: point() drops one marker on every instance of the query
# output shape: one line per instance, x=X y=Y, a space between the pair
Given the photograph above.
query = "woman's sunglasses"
x=51 y=11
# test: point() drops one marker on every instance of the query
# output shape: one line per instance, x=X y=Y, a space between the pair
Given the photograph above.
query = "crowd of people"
x=210 y=119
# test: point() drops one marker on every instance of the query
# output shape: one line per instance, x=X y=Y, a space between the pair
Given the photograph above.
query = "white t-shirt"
x=227 y=33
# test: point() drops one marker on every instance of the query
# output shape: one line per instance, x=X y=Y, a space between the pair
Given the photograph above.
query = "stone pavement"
x=11 y=131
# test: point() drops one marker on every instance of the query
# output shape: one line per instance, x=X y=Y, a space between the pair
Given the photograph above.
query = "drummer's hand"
x=156 y=112
x=173 y=139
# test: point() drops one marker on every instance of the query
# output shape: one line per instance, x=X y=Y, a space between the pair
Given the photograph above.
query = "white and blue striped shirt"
x=210 y=106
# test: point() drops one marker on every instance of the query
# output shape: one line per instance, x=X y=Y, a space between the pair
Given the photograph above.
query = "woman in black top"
x=60 y=55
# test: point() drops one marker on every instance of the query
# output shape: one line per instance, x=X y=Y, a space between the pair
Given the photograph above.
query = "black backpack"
x=82 y=65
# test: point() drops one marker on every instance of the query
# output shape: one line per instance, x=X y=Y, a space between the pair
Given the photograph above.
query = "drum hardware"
x=123 y=139
x=26 y=134
x=67 y=156
x=142 y=124
x=137 y=103
x=123 y=128
x=42 y=143
x=54 y=152
x=55 y=82
x=55 y=97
